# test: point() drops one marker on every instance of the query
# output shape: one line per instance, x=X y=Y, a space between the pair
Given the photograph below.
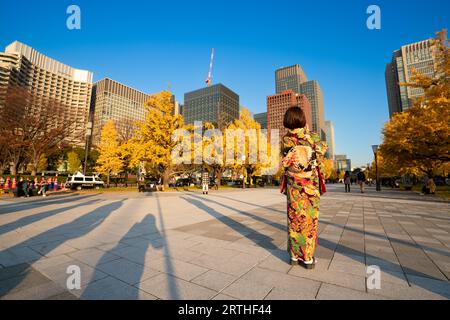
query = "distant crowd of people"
x=26 y=187
x=360 y=180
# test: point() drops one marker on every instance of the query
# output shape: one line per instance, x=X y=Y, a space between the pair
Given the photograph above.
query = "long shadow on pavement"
x=171 y=283
x=132 y=276
x=31 y=204
x=81 y=225
x=349 y=252
x=259 y=239
x=249 y=203
x=22 y=222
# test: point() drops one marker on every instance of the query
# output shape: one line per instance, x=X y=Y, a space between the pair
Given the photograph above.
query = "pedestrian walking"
x=347 y=181
x=43 y=186
x=55 y=184
x=26 y=187
x=361 y=181
x=205 y=181
x=18 y=191
x=303 y=152
x=2 y=182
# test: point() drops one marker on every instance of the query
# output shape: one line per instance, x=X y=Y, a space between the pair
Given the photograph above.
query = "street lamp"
x=86 y=150
x=375 y=151
x=243 y=174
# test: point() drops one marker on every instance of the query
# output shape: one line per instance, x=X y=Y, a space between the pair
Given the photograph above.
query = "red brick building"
x=277 y=105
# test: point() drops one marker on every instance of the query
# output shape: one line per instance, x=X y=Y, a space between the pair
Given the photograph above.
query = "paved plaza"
x=230 y=244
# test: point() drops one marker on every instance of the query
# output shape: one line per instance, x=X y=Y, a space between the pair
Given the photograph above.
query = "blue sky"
x=150 y=45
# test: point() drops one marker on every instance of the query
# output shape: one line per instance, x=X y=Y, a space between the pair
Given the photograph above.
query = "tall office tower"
x=277 y=105
x=329 y=134
x=342 y=163
x=311 y=89
x=216 y=104
x=46 y=79
x=124 y=105
x=178 y=108
x=294 y=78
x=289 y=78
x=419 y=55
x=261 y=118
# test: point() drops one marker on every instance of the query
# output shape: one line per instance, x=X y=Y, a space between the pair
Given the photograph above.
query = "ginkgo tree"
x=153 y=143
x=109 y=161
x=418 y=140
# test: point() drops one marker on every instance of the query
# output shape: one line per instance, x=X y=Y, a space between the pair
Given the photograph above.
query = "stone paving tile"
x=22 y=282
x=276 y=263
x=435 y=286
x=177 y=268
x=52 y=249
x=127 y=271
x=234 y=266
x=222 y=296
x=63 y=296
x=283 y=282
x=214 y=280
x=18 y=255
x=138 y=255
x=283 y=294
x=214 y=251
x=331 y=292
x=355 y=268
x=58 y=272
x=244 y=289
x=332 y=277
x=110 y=288
x=167 y=287
x=93 y=256
x=394 y=291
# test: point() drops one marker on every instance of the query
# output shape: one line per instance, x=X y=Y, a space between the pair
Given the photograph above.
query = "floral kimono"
x=303 y=152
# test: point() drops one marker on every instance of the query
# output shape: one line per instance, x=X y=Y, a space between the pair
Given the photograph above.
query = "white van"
x=79 y=181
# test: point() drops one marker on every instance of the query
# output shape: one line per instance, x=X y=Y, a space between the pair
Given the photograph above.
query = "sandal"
x=310 y=265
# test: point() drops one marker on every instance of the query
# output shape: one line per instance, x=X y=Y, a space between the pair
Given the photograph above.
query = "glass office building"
x=216 y=104
x=124 y=105
x=420 y=56
x=46 y=79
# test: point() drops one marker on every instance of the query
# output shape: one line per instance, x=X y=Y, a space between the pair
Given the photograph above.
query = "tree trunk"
x=219 y=177
x=166 y=175
x=107 y=181
x=14 y=169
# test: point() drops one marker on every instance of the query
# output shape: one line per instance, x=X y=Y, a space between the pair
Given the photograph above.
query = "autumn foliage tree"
x=109 y=161
x=153 y=143
x=418 y=140
x=73 y=162
x=31 y=127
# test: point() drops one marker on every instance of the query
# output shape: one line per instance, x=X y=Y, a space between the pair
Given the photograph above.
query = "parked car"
x=79 y=181
x=183 y=182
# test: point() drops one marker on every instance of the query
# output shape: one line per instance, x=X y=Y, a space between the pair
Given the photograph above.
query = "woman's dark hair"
x=294 y=118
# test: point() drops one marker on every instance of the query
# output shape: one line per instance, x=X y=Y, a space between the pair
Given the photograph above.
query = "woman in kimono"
x=303 y=153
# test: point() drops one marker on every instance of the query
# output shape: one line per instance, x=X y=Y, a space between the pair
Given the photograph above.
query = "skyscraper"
x=289 y=78
x=216 y=104
x=44 y=78
x=124 y=105
x=277 y=105
x=418 y=55
x=294 y=78
x=329 y=133
x=261 y=118
x=311 y=89
x=342 y=163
